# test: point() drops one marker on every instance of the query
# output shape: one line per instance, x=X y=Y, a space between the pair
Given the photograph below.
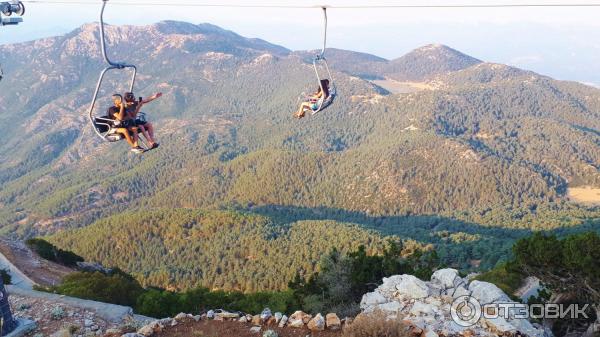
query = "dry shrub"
x=376 y=324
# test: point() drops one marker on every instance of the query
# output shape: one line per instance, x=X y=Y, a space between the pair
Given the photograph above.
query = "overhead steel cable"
x=371 y=6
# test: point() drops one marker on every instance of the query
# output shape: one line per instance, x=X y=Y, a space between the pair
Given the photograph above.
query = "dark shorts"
x=140 y=122
x=127 y=124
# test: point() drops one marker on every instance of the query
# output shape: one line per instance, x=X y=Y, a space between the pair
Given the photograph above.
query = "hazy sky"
x=560 y=42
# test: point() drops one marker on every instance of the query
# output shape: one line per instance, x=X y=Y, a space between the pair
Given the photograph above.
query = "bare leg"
x=132 y=141
x=146 y=134
x=150 y=128
x=304 y=106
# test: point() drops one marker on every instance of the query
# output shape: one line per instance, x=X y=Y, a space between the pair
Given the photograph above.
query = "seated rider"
x=133 y=108
x=313 y=101
x=125 y=126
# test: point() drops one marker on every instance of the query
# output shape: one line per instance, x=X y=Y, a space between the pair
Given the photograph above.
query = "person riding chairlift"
x=314 y=101
x=125 y=125
x=133 y=108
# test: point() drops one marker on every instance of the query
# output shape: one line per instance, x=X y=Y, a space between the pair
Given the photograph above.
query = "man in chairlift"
x=133 y=108
x=125 y=125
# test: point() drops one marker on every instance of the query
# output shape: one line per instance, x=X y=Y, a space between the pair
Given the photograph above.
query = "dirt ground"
x=51 y=317
x=585 y=195
x=235 y=329
x=42 y=272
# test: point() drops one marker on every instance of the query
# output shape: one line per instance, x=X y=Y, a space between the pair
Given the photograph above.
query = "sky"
x=560 y=42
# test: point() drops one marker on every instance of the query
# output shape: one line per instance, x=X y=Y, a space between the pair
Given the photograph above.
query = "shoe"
x=155 y=146
x=137 y=149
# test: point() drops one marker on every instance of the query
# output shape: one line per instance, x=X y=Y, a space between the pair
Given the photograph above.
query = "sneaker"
x=155 y=146
x=137 y=149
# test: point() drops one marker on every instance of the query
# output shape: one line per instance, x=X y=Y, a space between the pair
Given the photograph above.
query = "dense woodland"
x=230 y=250
x=338 y=286
x=181 y=249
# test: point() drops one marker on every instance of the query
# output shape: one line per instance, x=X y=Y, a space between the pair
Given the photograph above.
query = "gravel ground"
x=52 y=317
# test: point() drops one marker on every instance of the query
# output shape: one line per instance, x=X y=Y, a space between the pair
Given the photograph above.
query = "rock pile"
x=257 y=322
x=426 y=306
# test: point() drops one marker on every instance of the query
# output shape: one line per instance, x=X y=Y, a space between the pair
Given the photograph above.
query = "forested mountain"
x=473 y=145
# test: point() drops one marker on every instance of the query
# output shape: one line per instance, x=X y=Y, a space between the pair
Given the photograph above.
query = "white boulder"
x=371 y=300
x=445 y=277
x=487 y=293
x=411 y=287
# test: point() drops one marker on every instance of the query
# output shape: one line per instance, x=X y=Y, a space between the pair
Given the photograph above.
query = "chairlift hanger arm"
x=111 y=65
x=117 y=65
x=324 y=33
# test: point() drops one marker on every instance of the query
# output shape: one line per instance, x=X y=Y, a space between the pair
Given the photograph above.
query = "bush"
x=57 y=313
x=48 y=251
x=505 y=276
x=117 y=288
x=43 y=248
x=376 y=324
x=160 y=303
x=6 y=278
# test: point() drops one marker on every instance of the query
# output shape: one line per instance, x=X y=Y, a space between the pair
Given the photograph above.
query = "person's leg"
x=303 y=107
x=130 y=140
x=144 y=132
x=150 y=128
x=150 y=133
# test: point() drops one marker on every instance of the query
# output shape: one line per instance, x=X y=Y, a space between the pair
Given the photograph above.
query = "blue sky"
x=560 y=42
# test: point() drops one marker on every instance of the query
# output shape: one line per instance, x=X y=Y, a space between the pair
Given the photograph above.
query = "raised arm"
x=151 y=98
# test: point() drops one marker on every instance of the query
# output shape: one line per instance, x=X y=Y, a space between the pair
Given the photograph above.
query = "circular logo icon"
x=465 y=311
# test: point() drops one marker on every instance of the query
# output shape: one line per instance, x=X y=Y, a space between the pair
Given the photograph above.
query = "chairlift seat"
x=10 y=21
x=107 y=127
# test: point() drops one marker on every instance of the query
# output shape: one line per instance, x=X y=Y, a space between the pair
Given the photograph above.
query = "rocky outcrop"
x=256 y=323
x=428 y=306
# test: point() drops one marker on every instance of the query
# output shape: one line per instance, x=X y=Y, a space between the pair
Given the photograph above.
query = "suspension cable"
x=372 y=6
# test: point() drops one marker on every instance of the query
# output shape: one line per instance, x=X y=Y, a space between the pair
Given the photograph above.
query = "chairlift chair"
x=330 y=93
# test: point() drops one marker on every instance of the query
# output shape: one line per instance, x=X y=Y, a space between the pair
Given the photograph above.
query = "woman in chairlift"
x=314 y=101
x=133 y=108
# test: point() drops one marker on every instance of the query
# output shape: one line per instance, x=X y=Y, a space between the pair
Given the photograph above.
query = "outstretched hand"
x=157 y=95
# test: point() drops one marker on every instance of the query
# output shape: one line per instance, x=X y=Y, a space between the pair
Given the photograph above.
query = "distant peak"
x=428 y=61
x=433 y=46
x=186 y=28
x=443 y=50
